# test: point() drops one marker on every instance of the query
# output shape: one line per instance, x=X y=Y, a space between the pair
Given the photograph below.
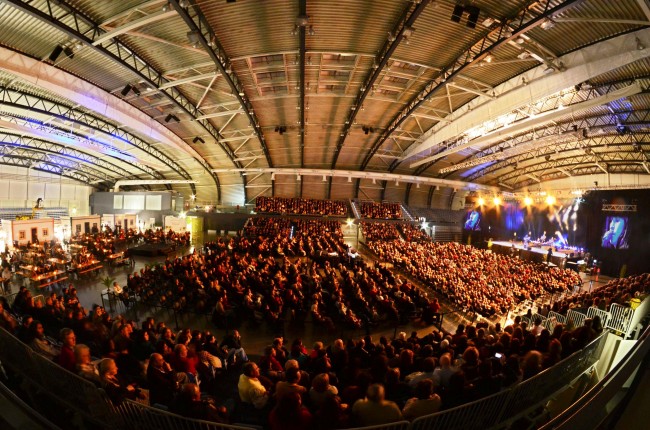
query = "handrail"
x=28 y=410
x=82 y=396
x=587 y=411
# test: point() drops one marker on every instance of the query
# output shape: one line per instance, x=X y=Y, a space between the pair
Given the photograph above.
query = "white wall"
x=17 y=189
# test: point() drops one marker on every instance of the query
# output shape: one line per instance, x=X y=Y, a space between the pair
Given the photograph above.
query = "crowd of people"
x=373 y=231
x=358 y=382
x=256 y=276
x=380 y=210
x=472 y=278
x=619 y=290
x=298 y=206
x=301 y=268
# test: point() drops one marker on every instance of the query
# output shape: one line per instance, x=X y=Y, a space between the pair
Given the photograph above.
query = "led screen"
x=615 y=232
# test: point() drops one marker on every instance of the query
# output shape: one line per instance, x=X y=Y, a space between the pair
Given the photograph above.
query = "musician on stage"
x=542 y=238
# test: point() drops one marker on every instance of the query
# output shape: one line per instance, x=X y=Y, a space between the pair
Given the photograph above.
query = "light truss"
x=356 y=174
x=619 y=208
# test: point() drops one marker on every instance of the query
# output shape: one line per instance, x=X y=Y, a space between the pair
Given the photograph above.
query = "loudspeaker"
x=473 y=12
x=55 y=53
x=457 y=14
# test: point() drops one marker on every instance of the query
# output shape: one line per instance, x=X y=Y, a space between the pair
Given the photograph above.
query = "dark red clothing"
x=66 y=359
x=187 y=364
x=300 y=421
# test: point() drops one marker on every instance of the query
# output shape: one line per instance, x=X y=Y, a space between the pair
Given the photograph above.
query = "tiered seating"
x=438 y=216
x=380 y=210
x=297 y=206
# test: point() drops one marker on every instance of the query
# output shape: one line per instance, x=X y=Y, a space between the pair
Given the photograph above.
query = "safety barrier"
x=620 y=318
x=514 y=402
x=593 y=409
x=604 y=315
x=577 y=318
x=554 y=319
x=135 y=416
x=400 y=425
x=73 y=393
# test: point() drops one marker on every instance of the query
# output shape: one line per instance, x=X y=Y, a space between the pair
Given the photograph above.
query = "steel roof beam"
x=581 y=66
x=80 y=27
x=198 y=23
x=12 y=141
x=405 y=24
x=11 y=97
x=520 y=23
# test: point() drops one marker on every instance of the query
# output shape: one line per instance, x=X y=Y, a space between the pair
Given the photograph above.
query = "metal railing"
x=578 y=318
x=554 y=319
x=593 y=408
x=620 y=318
x=513 y=402
x=604 y=315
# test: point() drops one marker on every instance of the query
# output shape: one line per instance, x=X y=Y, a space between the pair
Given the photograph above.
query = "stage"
x=533 y=253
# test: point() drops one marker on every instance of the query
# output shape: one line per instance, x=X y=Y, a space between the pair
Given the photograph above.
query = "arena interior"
x=324 y=214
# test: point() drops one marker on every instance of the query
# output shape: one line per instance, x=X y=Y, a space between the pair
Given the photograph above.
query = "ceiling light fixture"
x=193 y=38
x=547 y=24
x=183 y=3
x=639 y=45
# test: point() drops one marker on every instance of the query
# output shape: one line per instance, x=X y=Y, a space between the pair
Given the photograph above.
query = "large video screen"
x=473 y=221
x=615 y=232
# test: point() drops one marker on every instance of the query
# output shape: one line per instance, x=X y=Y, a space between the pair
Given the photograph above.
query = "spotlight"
x=496 y=201
x=639 y=45
x=165 y=8
x=547 y=24
x=126 y=90
x=312 y=32
x=550 y=200
x=68 y=52
x=193 y=37
x=481 y=201
x=528 y=201
x=183 y=3
x=58 y=49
